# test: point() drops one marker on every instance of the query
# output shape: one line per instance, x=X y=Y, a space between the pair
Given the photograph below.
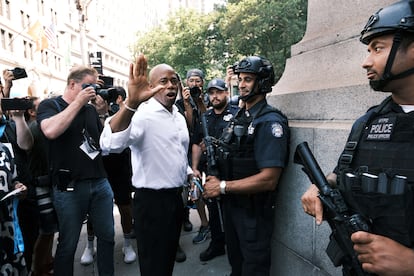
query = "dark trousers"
x=216 y=223
x=28 y=214
x=248 y=238
x=158 y=218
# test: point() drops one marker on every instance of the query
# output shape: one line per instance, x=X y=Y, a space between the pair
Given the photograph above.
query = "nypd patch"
x=277 y=130
x=227 y=117
x=381 y=129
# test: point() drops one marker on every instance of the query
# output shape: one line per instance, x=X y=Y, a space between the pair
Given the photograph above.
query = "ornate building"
x=48 y=37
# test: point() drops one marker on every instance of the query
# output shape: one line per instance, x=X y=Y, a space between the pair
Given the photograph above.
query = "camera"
x=109 y=95
x=19 y=73
x=16 y=104
x=195 y=92
x=108 y=81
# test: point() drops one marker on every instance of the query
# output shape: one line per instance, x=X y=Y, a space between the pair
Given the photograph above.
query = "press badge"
x=381 y=129
x=89 y=145
x=91 y=153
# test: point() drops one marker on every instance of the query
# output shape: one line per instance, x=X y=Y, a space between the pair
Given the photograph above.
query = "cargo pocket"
x=391 y=215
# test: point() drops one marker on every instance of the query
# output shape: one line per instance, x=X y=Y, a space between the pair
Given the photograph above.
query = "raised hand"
x=139 y=89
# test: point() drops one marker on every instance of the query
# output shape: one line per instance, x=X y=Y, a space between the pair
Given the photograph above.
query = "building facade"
x=49 y=37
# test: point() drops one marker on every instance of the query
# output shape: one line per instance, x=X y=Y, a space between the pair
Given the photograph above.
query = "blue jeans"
x=95 y=198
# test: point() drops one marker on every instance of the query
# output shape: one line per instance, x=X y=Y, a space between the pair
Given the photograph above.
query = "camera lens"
x=195 y=92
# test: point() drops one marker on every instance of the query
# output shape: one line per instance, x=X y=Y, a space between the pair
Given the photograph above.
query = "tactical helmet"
x=396 y=17
x=259 y=66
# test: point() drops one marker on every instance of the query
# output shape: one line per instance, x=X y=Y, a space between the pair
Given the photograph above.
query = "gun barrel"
x=304 y=156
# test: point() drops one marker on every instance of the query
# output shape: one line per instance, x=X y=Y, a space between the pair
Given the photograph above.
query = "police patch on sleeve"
x=277 y=130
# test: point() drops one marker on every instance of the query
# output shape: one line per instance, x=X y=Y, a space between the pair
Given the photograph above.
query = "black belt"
x=176 y=190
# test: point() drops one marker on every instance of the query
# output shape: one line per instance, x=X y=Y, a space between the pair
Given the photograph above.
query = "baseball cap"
x=217 y=83
x=195 y=73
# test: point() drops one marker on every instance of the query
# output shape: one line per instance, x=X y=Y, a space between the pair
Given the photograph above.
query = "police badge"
x=277 y=130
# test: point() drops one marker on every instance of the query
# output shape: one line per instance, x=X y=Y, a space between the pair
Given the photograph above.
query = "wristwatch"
x=223 y=187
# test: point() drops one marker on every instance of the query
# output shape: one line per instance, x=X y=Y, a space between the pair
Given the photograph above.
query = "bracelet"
x=130 y=108
x=223 y=185
x=104 y=116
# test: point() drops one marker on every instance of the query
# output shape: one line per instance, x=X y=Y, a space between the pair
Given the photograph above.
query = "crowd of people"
x=67 y=159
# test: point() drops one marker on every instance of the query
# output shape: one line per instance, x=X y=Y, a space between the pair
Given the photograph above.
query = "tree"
x=266 y=28
x=213 y=41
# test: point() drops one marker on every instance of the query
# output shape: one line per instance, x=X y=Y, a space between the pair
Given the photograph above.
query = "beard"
x=219 y=105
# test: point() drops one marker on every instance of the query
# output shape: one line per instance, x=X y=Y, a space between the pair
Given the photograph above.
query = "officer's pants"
x=248 y=233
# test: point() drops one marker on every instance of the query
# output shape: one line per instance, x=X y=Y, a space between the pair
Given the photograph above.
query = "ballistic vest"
x=376 y=172
x=239 y=137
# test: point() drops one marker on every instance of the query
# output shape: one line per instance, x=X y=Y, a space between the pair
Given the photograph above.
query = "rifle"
x=336 y=212
x=212 y=168
x=211 y=156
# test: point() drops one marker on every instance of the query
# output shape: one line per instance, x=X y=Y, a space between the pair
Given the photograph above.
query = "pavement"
x=218 y=266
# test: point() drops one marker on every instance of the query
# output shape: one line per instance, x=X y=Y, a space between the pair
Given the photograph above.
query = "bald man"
x=149 y=123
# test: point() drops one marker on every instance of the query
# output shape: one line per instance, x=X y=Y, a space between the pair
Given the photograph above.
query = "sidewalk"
x=192 y=266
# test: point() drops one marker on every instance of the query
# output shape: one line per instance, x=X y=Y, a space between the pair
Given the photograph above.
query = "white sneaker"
x=129 y=254
x=87 y=256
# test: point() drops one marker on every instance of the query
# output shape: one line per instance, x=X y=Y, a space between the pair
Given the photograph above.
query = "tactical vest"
x=236 y=157
x=376 y=172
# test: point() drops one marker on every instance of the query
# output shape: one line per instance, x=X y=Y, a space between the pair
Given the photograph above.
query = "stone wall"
x=322 y=91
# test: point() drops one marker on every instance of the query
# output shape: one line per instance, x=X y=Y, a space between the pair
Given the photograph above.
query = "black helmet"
x=396 y=17
x=259 y=66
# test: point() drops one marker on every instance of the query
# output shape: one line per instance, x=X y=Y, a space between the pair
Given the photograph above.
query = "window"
x=25 y=47
x=3 y=39
x=42 y=7
x=22 y=18
x=7 y=11
x=10 y=42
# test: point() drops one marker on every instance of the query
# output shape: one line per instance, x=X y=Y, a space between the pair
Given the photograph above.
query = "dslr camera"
x=195 y=92
x=109 y=95
x=19 y=73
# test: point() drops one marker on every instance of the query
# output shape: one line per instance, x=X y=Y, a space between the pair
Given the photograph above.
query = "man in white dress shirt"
x=150 y=124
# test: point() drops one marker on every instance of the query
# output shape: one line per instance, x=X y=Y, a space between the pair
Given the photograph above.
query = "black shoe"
x=211 y=252
x=187 y=225
x=180 y=256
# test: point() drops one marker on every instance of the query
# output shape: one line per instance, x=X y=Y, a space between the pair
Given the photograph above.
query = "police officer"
x=381 y=147
x=217 y=118
x=254 y=151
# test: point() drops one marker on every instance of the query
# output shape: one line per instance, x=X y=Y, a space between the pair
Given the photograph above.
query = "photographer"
x=47 y=220
x=192 y=106
x=72 y=128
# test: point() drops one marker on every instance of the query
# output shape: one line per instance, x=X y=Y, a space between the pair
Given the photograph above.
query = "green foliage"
x=213 y=41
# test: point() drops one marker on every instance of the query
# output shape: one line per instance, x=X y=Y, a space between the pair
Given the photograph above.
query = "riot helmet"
x=262 y=68
x=393 y=19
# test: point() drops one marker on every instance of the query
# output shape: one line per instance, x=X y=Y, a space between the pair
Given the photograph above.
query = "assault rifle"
x=336 y=212
x=211 y=156
x=212 y=168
